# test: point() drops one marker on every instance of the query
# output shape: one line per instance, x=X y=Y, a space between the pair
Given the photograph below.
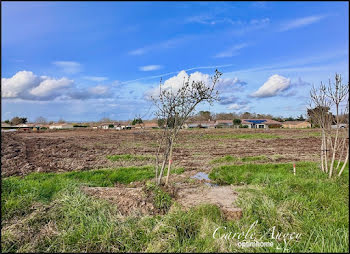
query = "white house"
x=341 y=125
x=200 y=124
x=61 y=126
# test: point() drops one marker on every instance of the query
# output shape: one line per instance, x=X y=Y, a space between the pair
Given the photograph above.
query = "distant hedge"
x=80 y=126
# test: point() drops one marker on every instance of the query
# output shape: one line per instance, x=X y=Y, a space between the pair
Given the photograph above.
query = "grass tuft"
x=129 y=157
x=309 y=203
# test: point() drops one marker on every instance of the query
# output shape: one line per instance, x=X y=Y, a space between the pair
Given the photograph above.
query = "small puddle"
x=203 y=176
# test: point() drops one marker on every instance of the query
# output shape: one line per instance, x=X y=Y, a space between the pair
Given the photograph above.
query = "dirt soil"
x=135 y=201
x=57 y=151
x=222 y=196
x=130 y=201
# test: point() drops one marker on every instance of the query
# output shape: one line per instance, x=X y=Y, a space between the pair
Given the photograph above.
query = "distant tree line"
x=17 y=120
x=209 y=116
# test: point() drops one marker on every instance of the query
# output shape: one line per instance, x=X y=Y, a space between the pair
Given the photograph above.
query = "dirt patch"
x=222 y=196
x=130 y=201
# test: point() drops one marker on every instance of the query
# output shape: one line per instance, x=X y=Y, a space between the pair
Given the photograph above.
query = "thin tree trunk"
x=341 y=155
x=346 y=161
x=325 y=154
x=170 y=162
x=163 y=166
x=157 y=155
x=334 y=148
x=322 y=152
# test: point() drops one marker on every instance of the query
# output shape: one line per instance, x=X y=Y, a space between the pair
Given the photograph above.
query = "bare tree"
x=41 y=120
x=61 y=120
x=175 y=107
x=333 y=145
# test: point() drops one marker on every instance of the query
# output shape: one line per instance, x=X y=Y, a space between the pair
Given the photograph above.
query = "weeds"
x=61 y=218
x=225 y=159
x=308 y=203
x=161 y=199
x=129 y=157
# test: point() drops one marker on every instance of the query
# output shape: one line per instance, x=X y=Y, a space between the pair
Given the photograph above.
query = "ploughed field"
x=195 y=149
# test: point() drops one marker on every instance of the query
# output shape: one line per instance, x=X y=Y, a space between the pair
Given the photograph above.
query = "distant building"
x=296 y=124
x=5 y=125
x=150 y=125
x=199 y=124
x=22 y=125
x=223 y=123
x=106 y=126
x=261 y=123
x=61 y=126
x=341 y=125
x=138 y=126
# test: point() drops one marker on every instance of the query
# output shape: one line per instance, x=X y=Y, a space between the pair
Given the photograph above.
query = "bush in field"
x=137 y=121
x=237 y=121
x=274 y=126
x=243 y=126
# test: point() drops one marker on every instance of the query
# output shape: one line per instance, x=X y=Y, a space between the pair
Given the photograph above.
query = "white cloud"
x=300 y=22
x=150 y=67
x=174 y=72
x=69 y=67
x=259 y=4
x=25 y=85
x=176 y=82
x=215 y=19
x=50 y=87
x=273 y=86
x=94 y=78
x=138 y=52
x=232 y=51
x=171 y=43
x=236 y=106
x=18 y=84
x=230 y=84
x=99 y=90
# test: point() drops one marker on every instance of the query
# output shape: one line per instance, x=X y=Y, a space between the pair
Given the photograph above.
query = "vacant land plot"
x=94 y=191
x=59 y=151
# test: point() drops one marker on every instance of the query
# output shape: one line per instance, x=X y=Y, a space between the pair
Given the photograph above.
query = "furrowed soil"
x=59 y=151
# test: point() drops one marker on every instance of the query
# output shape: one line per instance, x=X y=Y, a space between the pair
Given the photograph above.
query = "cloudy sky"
x=82 y=61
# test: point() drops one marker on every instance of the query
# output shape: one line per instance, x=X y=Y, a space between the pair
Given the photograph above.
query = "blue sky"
x=82 y=61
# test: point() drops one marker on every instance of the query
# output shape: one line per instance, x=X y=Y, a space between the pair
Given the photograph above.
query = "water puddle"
x=203 y=176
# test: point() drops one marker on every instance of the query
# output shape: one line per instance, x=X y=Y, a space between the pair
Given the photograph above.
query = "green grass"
x=162 y=200
x=19 y=193
x=241 y=136
x=177 y=171
x=129 y=157
x=67 y=220
x=75 y=222
x=308 y=203
x=225 y=159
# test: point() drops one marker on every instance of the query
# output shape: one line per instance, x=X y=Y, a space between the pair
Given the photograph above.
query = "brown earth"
x=56 y=151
